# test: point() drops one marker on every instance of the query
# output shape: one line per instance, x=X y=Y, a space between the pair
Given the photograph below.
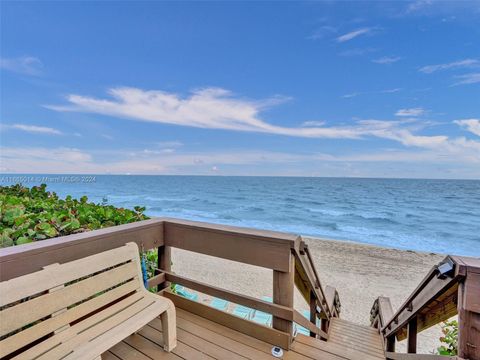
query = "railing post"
x=164 y=262
x=469 y=317
x=391 y=343
x=283 y=284
x=412 y=336
x=313 y=312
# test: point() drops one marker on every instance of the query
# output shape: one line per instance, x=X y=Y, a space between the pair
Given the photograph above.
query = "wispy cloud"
x=358 y=93
x=353 y=34
x=35 y=129
x=219 y=109
x=387 y=60
x=472 y=125
x=322 y=32
x=417 y=5
x=452 y=65
x=466 y=79
x=27 y=65
x=412 y=112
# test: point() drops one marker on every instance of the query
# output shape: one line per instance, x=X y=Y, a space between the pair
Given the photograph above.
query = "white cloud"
x=35 y=129
x=387 y=60
x=313 y=123
x=414 y=112
x=418 y=5
x=219 y=109
x=28 y=65
x=472 y=125
x=391 y=91
x=453 y=65
x=211 y=108
x=322 y=32
x=351 y=95
x=353 y=34
x=472 y=78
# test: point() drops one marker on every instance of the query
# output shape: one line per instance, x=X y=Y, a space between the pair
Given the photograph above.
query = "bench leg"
x=169 y=329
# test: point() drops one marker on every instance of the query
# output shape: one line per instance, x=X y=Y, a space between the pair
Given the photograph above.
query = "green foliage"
x=32 y=214
x=449 y=339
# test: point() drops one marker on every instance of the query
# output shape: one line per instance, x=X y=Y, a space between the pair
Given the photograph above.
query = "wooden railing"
x=452 y=287
x=286 y=255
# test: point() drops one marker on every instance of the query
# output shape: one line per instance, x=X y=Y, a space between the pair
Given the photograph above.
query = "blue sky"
x=369 y=89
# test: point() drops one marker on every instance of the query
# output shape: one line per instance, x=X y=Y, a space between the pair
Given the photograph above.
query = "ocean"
x=427 y=215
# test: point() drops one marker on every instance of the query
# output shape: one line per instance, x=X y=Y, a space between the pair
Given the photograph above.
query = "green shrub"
x=33 y=214
x=449 y=339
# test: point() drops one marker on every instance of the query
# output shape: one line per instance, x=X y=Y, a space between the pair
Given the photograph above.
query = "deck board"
x=199 y=338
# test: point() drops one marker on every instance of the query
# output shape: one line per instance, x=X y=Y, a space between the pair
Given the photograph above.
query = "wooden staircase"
x=346 y=340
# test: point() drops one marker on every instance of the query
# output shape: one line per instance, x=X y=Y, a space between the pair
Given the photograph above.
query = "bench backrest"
x=35 y=306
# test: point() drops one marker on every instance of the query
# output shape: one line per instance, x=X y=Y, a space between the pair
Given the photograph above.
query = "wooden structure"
x=205 y=332
x=86 y=306
x=450 y=288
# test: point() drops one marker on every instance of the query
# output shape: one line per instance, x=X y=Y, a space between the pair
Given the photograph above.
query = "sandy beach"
x=359 y=272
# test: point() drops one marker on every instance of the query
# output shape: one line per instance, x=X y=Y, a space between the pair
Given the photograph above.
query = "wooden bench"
x=80 y=309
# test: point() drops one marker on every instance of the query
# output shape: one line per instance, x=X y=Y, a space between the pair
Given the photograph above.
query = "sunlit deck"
x=199 y=338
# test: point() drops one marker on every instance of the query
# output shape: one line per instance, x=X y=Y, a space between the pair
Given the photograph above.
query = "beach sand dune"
x=360 y=273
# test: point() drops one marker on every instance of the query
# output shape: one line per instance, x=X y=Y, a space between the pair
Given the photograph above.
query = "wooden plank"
x=280 y=311
x=109 y=356
x=29 y=311
x=223 y=341
x=412 y=336
x=335 y=349
x=283 y=289
x=255 y=247
x=48 y=326
x=468 y=321
x=72 y=331
x=156 y=280
x=149 y=348
x=51 y=277
x=313 y=352
x=400 y=356
x=182 y=350
x=20 y=260
x=260 y=332
x=209 y=348
x=235 y=335
x=105 y=334
x=302 y=321
x=385 y=310
x=125 y=352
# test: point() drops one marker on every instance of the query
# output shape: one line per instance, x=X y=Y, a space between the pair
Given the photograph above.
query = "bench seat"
x=80 y=309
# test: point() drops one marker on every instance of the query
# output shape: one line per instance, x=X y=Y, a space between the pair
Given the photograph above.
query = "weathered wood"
x=302 y=321
x=267 y=249
x=155 y=280
x=469 y=317
x=430 y=288
x=20 y=260
x=400 y=356
x=283 y=286
x=164 y=262
x=412 y=336
x=264 y=333
x=280 y=311
x=89 y=305
x=313 y=312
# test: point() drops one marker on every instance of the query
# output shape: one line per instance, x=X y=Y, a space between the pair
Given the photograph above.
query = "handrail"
x=451 y=287
x=279 y=252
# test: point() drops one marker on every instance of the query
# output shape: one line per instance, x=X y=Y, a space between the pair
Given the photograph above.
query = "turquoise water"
x=427 y=215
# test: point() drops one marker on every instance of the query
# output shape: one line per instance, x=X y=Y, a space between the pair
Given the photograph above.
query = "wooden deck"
x=199 y=338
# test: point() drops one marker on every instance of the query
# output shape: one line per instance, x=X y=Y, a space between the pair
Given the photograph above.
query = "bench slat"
x=125 y=323
x=48 y=326
x=43 y=280
x=27 y=312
